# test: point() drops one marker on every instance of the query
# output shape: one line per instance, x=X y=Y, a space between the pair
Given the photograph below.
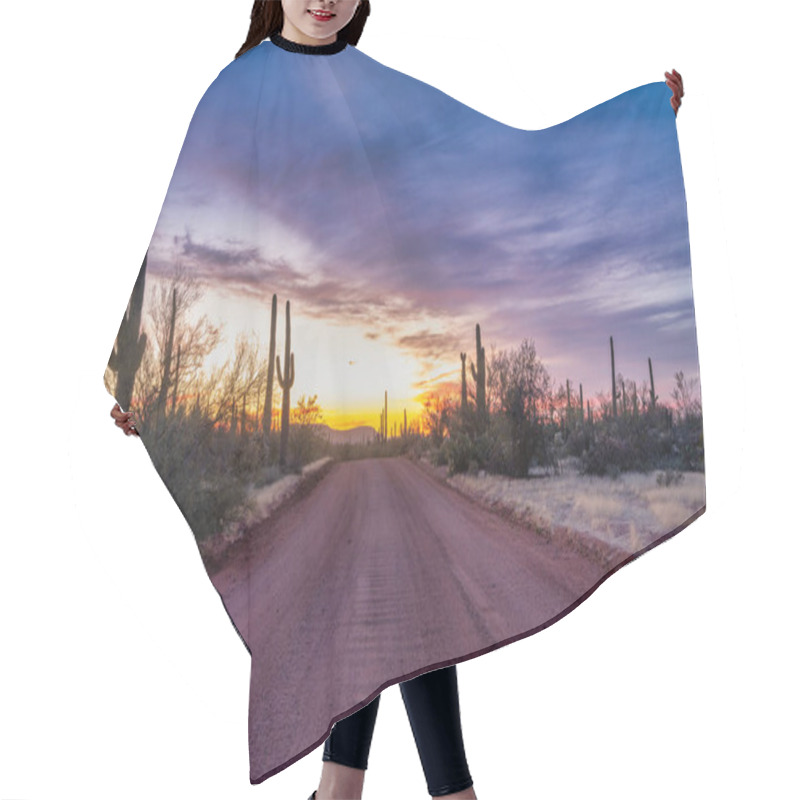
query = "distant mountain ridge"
x=363 y=434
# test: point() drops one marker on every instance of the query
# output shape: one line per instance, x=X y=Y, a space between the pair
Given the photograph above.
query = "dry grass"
x=260 y=504
x=628 y=512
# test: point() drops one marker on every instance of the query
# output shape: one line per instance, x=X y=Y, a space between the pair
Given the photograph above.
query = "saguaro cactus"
x=479 y=374
x=266 y=422
x=613 y=381
x=569 y=405
x=463 y=382
x=385 y=414
x=130 y=344
x=286 y=381
x=653 y=397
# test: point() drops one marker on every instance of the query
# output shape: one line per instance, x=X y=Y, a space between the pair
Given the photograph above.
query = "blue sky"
x=394 y=218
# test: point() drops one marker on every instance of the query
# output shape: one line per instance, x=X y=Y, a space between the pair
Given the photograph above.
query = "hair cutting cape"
x=419 y=381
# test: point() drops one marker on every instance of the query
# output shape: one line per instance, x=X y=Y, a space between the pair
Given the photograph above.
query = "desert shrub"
x=630 y=444
x=578 y=440
x=305 y=445
x=606 y=454
x=458 y=450
x=688 y=441
x=439 y=456
x=249 y=453
x=498 y=456
x=484 y=449
x=416 y=446
x=207 y=471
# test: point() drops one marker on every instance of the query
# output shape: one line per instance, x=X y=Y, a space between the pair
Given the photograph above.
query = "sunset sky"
x=394 y=218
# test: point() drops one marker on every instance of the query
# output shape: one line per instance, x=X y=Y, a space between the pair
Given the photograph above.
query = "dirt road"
x=380 y=571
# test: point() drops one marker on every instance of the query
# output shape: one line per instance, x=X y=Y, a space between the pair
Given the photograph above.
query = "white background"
x=120 y=673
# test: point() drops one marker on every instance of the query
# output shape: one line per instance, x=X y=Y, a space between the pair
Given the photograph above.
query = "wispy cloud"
x=372 y=200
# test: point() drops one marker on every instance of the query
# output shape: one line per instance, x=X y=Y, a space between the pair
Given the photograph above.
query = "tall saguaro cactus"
x=479 y=374
x=613 y=381
x=130 y=344
x=569 y=405
x=463 y=382
x=653 y=397
x=266 y=423
x=286 y=381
